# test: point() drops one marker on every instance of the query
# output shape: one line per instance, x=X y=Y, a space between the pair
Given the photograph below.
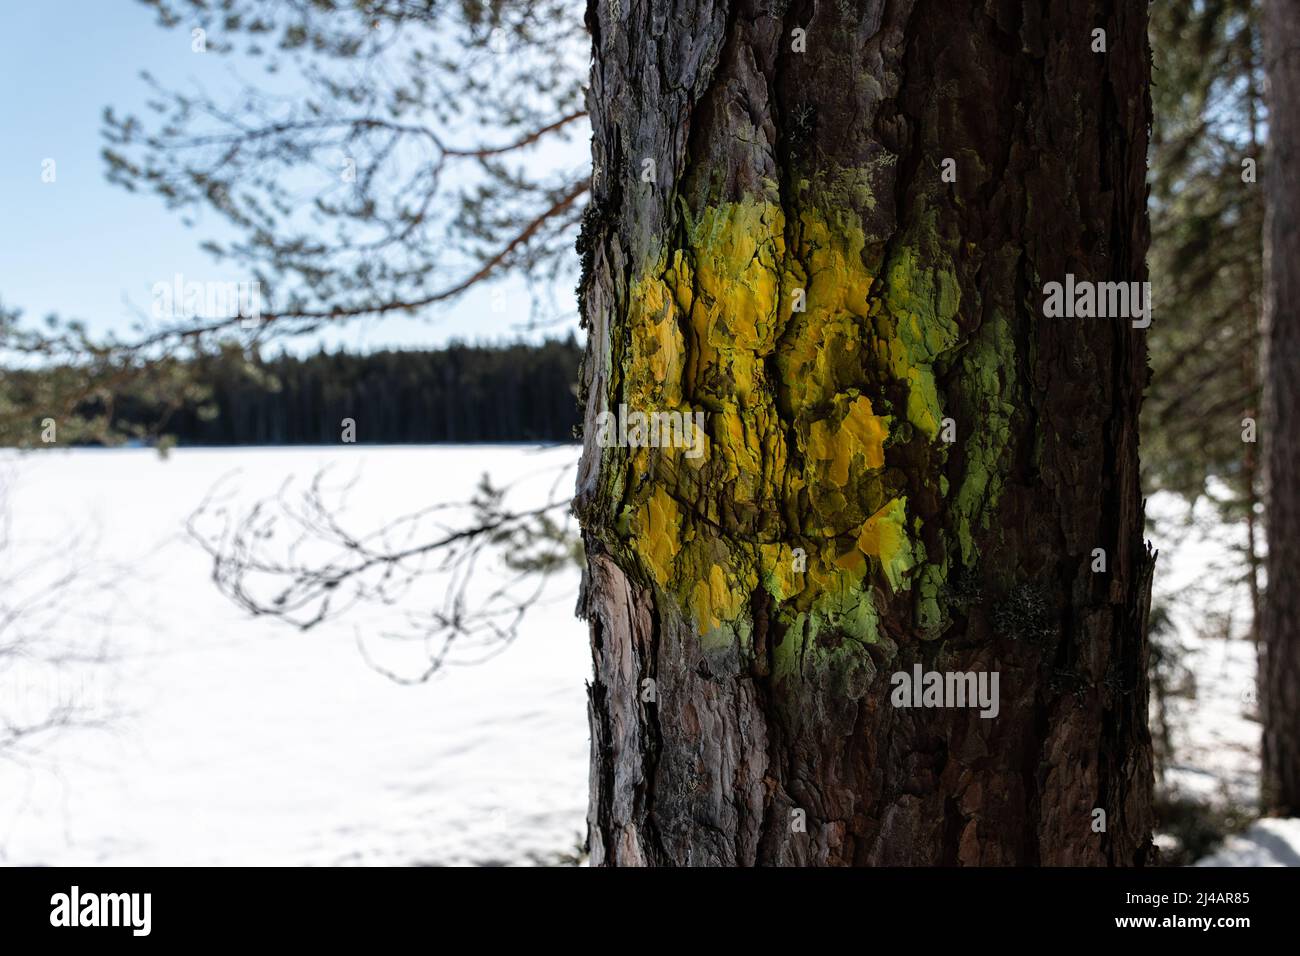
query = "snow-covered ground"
x=248 y=742
x=1268 y=842
x=1215 y=723
x=238 y=740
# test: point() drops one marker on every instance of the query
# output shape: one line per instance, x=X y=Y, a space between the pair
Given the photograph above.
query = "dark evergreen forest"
x=461 y=393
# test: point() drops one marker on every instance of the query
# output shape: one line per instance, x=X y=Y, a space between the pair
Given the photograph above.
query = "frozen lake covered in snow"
x=243 y=741
x=238 y=740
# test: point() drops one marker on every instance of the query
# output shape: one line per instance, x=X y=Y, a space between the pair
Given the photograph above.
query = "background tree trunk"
x=748 y=606
x=1280 y=662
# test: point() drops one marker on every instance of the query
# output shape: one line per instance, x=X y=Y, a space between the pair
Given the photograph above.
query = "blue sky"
x=85 y=249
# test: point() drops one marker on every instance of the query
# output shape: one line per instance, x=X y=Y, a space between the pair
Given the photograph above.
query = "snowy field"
x=237 y=740
x=245 y=742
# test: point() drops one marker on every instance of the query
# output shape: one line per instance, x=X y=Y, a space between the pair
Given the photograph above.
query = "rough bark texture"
x=798 y=269
x=1280 y=632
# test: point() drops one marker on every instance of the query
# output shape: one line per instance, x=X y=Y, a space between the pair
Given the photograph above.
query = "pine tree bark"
x=1280 y=632
x=906 y=463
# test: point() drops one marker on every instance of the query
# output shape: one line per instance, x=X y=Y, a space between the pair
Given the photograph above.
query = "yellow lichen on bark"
x=885 y=534
x=858 y=438
x=660 y=531
x=765 y=328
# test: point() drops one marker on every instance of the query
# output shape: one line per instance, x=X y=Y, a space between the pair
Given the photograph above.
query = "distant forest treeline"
x=461 y=393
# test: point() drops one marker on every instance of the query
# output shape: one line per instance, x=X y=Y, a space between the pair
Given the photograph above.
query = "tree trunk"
x=1280 y=633
x=906 y=464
